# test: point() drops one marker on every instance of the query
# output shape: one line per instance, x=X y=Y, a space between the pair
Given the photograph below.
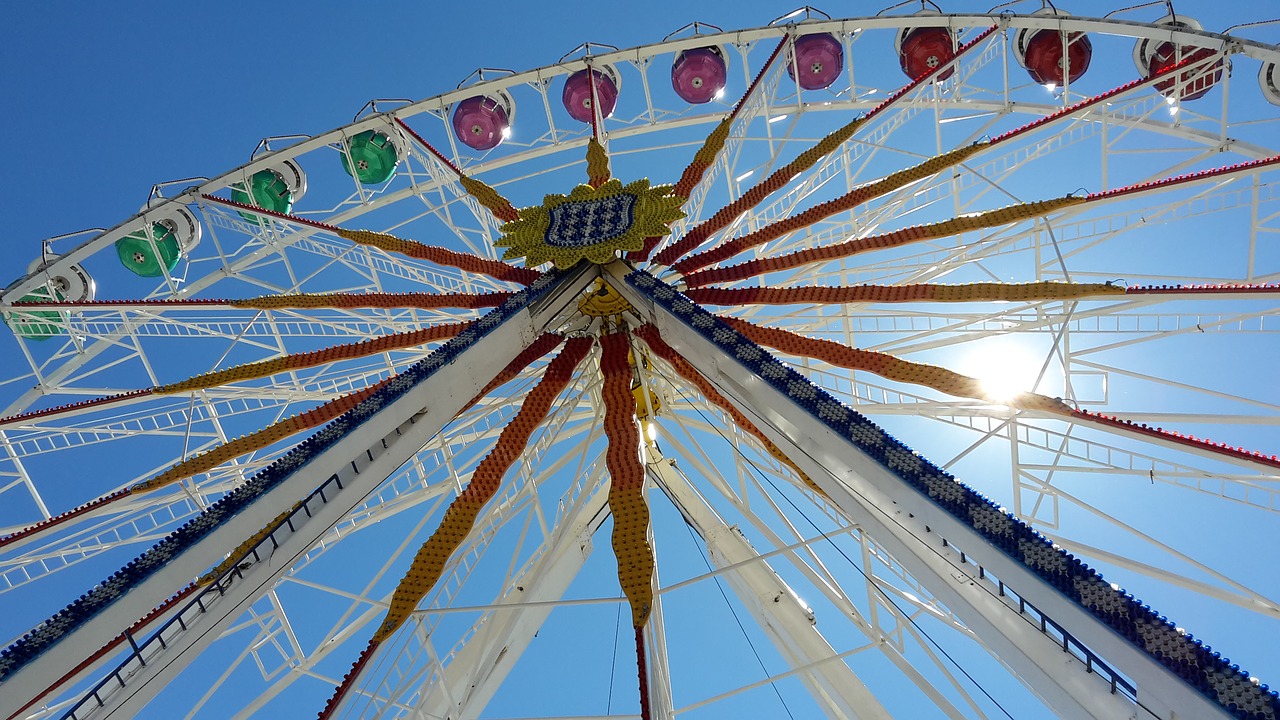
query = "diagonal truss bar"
x=355 y=453
x=460 y=517
x=895 y=181
x=502 y=634
x=495 y=203
x=441 y=256
x=772 y=603
x=924 y=517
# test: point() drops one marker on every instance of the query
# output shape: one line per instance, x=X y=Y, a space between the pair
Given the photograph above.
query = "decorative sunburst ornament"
x=591 y=223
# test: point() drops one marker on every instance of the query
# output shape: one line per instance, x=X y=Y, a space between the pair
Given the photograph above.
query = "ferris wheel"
x=739 y=374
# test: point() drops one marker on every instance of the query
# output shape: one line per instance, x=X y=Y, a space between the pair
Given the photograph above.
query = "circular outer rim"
x=389 y=132
x=385 y=122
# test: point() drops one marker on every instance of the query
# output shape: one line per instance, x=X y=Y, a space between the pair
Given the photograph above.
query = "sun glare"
x=1005 y=371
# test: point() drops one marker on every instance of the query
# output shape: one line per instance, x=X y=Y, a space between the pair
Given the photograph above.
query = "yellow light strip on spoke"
x=916 y=292
x=888 y=366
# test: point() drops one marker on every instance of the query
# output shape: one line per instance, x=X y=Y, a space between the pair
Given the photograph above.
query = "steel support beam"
x=361 y=459
x=926 y=540
x=772 y=603
x=502 y=635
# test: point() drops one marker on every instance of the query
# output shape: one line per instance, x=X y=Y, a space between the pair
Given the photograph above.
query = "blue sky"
x=104 y=100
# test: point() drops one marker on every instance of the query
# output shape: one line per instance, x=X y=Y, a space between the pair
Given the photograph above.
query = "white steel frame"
x=288 y=257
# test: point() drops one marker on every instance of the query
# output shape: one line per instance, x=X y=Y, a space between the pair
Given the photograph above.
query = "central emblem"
x=591 y=223
x=588 y=222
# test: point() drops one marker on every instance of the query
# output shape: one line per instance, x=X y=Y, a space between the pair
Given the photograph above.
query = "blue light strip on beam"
x=50 y=632
x=1187 y=658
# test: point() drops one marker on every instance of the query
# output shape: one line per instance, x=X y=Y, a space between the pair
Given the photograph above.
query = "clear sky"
x=102 y=100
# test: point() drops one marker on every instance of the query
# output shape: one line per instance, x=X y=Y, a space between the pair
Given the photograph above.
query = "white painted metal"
x=772 y=603
x=502 y=634
x=411 y=419
x=425 y=203
x=873 y=498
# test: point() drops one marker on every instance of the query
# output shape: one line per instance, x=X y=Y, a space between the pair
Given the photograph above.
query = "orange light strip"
x=887 y=366
x=425 y=301
x=626 y=489
x=844 y=203
x=296 y=361
x=916 y=292
x=483 y=193
x=438 y=255
x=459 y=518
x=468 y=301
x=598 y=172
x=461 y=514
x=711 y=147
x=626 y=493
x=257 y=440
x=776 y=181
x=782 y=176
x=916 y=233
x=258 y=369
x=441 y=256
